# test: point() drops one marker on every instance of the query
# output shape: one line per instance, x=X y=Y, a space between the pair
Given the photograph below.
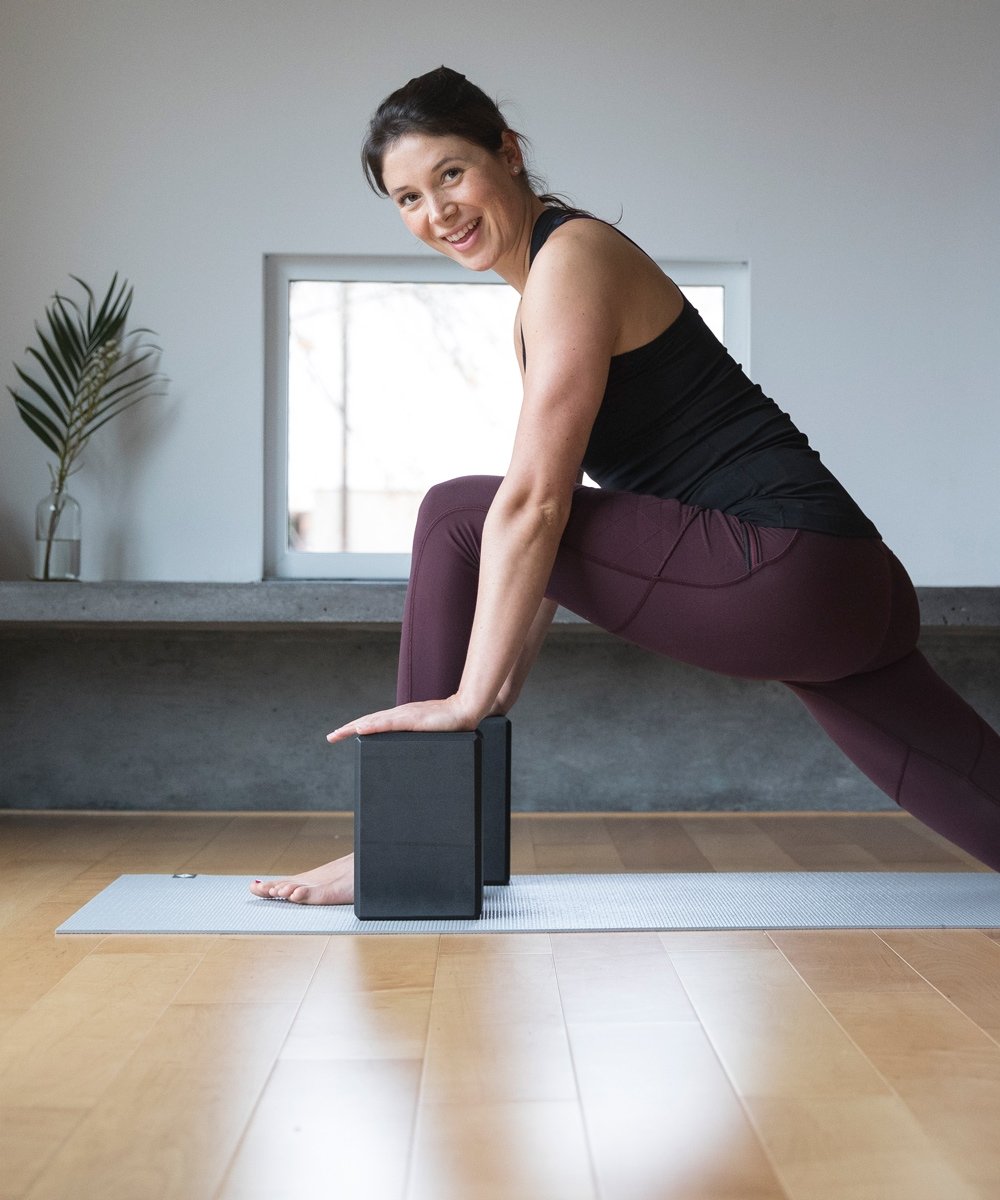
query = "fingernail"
x=256 y=881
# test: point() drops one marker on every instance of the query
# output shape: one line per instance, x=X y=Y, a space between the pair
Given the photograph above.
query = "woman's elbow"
x=546 y=508
x=554 y=513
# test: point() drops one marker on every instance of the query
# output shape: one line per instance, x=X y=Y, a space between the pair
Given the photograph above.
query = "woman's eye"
x=453 y=172
x=408 y=199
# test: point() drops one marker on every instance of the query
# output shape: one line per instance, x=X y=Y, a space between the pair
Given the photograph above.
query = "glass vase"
x=57 y=537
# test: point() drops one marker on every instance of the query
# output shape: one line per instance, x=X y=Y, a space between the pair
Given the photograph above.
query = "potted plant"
x=87 y=369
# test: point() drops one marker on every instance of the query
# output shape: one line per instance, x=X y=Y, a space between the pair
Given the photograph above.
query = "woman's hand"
x=423 y=716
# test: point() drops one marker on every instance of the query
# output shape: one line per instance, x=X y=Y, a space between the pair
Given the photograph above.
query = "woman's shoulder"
x=568 y=226
x=583 y=237
x=600 y=263
x=576 y=241
x=571 y=260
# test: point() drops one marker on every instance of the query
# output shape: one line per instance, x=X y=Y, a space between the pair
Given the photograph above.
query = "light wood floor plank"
x=846 y=960
x=305 y=851
x=29 y=967
x=563 y=829
x=804 y=1081
x=492 y=1150
x=328 y=1128
x=773 y=1035
x=817 y=843
x=165 y=1131
x=853 y=1148
x=496 y=1031
x=69 y=1047
x=360 y=1025
x=963 y=964
x=900 y=843
x=33 y=837
x=663 y=1120
x=498 y=943
x=369 y=998
x=732 y=848
x=29 y=1138
x=716 y=941
x=28 y=884
x=232 y=848
x=647 y=843
x=559 y=846
x=522 y=850
x=159 y=842
x=275 y=970
x=619 y=978
x=939 y=1061
x=373 y=964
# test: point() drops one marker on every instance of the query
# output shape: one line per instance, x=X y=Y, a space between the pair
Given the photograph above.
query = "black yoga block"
x=496 y=799
x=418 y=826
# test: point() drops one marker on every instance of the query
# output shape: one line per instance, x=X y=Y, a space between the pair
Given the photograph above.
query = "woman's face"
x=463 y=201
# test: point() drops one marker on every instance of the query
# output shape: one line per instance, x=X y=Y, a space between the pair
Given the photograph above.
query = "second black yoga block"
x=496 y=799
x=418 y=826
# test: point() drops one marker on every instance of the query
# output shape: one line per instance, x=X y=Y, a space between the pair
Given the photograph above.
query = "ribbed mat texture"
x=566 y=903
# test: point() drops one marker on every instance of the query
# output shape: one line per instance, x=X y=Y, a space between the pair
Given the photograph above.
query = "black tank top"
x=681 y=420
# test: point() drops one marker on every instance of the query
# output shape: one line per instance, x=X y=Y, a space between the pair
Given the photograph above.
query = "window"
x=386 y=375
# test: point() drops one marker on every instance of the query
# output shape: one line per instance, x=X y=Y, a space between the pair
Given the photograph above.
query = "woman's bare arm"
x=569 y=327
x=521 y=669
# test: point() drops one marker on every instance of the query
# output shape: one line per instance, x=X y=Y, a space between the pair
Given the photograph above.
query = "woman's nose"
x=442 y=208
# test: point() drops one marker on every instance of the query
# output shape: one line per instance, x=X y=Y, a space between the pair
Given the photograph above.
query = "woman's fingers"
x=433 y=716
x=372 y=723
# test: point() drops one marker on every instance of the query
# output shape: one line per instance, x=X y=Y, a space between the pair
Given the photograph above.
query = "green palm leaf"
x=41 y=392
x=87 y=370
x=54 y=363
x=60 y=398
x=66 y=333
x=38 y=423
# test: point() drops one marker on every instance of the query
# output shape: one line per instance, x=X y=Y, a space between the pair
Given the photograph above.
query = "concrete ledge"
x=204 y=605
x=218 y=696
x=960 y=607
x=317 y=604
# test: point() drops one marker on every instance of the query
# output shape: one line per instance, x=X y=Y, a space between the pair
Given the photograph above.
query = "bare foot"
x=332 y=883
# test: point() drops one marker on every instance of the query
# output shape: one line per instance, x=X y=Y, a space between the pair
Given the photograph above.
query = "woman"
x=717 y=536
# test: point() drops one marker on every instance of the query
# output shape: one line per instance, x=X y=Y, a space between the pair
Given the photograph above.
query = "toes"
x=303 y=893
x=272 y=890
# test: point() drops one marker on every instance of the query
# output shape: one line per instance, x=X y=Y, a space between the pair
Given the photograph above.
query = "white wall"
x=846 y=148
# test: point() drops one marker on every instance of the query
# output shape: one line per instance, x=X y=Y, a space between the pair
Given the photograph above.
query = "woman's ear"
x=510 y=152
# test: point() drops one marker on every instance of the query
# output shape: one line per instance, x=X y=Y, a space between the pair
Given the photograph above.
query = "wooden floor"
x=802 y=1066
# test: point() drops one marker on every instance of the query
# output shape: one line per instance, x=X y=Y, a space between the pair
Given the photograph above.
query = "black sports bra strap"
x=550 y=219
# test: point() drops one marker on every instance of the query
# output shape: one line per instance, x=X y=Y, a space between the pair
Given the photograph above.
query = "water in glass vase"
x=64 y=559
x=57 y=537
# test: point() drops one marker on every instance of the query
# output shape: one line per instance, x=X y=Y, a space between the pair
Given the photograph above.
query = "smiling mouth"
x=463 y=233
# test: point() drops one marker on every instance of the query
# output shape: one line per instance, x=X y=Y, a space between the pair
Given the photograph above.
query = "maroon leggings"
x=834 y=618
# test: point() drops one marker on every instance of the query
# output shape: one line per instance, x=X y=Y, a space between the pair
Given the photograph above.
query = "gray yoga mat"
x=567 y=903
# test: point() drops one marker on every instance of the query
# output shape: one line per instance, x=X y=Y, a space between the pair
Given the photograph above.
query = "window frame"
x=281 y=270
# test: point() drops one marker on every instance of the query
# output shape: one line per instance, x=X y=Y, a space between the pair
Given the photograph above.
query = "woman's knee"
x=456 y=495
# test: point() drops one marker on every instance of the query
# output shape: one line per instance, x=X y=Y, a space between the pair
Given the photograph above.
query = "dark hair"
x=442 y=103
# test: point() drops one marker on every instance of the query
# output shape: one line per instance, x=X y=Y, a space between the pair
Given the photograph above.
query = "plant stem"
x=58 y=494
x=54 y=516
